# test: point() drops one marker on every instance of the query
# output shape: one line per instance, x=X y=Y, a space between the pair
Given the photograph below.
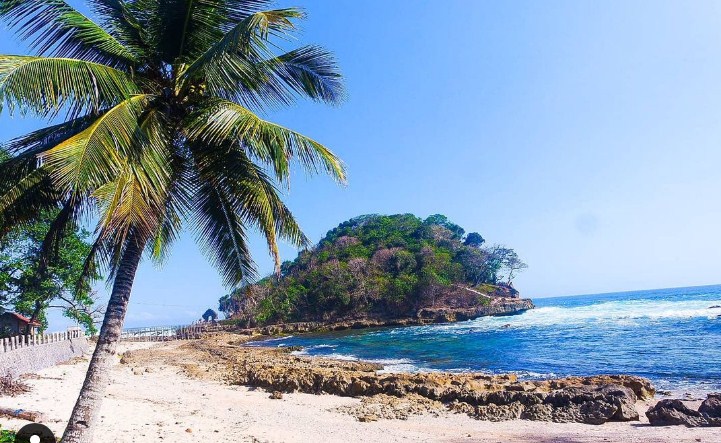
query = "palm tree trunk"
x=87 y=408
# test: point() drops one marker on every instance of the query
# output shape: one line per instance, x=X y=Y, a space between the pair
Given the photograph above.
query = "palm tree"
x=161 y=130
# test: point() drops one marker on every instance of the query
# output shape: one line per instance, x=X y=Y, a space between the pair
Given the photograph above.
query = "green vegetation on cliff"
x=378 y=266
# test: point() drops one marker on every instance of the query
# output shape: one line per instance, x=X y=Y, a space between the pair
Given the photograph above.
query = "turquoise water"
x=671 y=336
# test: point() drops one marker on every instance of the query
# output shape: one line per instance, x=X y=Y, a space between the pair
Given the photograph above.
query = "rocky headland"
x=497 y=306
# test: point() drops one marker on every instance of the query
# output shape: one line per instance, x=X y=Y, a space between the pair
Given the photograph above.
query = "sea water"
x=671 y=336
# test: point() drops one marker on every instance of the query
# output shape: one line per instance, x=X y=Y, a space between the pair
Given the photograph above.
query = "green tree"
x=442 y=220
x=31 y=286
x=161 y=101
x=503 y=259
x=477 y=267
x=474 y=239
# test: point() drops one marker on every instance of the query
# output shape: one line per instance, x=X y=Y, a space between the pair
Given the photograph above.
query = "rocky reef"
x=593 y=400
x=675 y=412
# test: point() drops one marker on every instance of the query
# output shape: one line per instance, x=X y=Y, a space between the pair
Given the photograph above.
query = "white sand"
x=162 y=404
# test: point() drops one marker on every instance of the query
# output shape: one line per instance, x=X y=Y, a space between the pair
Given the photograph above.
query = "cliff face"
x=385 y=270
x=498 y=307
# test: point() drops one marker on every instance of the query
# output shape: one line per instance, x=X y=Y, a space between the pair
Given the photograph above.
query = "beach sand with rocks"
x=163 y=393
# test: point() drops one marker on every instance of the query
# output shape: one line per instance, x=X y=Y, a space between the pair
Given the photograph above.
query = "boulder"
x=591 y=404
x=493 y=412
x=675 y=412
x=711 y=407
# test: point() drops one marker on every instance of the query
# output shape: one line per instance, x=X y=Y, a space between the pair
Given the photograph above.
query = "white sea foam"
x=389 y=364
x=621 y=312
x=275 y=340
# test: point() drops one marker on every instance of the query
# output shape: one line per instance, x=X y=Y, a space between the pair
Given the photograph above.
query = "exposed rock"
x=367 y=418
x=711 y=406
x=499 y=397
x=675 y=412
x=715 y=307
x=642 y=387
x=390 y=407
x=276 y=395
x=126 y=357
x=498 y=307
x=493 y=412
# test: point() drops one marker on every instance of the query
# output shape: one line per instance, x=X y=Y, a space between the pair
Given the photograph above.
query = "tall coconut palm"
x=161 y=130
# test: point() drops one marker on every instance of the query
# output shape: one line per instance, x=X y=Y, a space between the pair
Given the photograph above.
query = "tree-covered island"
x=385 y=267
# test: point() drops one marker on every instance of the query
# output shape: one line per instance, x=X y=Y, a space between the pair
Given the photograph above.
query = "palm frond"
x=128 y=205
x=54 y=27
x=234 y=67
x=20 y=175
x=222 y=122
x=27 y=146
x=230 y=12
x=135 y=204
x=177 y=206
x=309 y=71
x=118 y=18
x=221 y=234
x=97 y=155
x=65 y=221
x=251 y=194
x=25 y=191
x=181 y=30
x=48 y=85
x=30 y=181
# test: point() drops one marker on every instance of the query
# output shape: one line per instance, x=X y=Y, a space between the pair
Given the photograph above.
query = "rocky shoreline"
x=592 y=400
x=498 y=306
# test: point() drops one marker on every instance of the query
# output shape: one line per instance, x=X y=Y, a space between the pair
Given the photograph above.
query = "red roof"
x=23 y=319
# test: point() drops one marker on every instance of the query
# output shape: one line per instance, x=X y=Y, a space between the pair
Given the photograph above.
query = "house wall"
x=10 y=322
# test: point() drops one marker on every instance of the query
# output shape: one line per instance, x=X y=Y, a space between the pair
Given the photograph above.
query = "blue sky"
x=583 y=134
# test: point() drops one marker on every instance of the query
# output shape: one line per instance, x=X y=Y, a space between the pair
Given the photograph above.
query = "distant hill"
x=384 y=267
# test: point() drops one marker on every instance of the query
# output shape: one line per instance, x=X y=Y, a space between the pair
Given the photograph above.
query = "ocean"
x=671 y=336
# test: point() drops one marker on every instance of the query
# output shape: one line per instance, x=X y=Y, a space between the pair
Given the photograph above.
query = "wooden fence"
x=24 y=341
x=168 y=333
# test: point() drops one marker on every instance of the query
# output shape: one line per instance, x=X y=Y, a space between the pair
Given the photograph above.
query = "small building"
x=12 y=323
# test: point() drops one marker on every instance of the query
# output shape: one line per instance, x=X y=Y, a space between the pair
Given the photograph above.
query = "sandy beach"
x=171 y=397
